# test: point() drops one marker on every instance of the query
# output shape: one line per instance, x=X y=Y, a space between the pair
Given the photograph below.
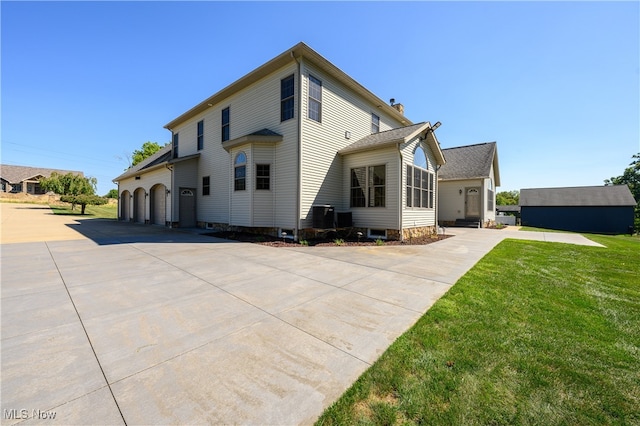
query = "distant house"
x=26 y=180
x=467 y=185
x=596 y=209
x=293 y=147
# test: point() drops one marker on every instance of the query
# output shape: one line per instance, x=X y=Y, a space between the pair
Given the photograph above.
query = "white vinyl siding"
x=373 y=217
x=417 y=217
x=147 y=181
x=323 y=172
x=451 y=198
x=264 y=200
x=255 y=108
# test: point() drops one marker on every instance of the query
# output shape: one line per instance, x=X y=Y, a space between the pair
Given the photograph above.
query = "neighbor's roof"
x=299 y=51
x=615 y=195
x=157 y=160
x=17 y=174
x=471 y=162
x=394 y=137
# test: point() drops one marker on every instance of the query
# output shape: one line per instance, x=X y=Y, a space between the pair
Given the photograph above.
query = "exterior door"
x=472 y=203
x=187 y=207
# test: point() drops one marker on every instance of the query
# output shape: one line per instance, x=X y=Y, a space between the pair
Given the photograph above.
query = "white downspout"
x=401 y=183
x=299 y=147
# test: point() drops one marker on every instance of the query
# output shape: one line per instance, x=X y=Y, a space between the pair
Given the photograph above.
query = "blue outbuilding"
x=593 y=209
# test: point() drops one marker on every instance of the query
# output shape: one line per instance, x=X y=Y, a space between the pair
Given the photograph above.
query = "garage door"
x=158 y=204
x=138 y=205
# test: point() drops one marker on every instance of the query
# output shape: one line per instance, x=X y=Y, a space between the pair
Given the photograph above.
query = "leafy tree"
x=74 y=189
x=69 y=184
x=147 y=150
x=508 y=198
x=113 y=193
x=631 y=178
x=83 y=200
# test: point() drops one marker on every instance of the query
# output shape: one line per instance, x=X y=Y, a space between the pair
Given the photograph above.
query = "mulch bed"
x=271 y=241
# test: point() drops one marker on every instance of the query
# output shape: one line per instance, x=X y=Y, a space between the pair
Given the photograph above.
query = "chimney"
x=399 y=107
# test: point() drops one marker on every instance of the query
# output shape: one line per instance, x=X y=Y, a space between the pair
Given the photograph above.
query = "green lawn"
x=106 y=211
x=536 y=333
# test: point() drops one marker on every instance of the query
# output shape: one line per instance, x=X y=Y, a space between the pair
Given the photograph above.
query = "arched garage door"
x=138 y=205
x=158 y=204
x=125 y=205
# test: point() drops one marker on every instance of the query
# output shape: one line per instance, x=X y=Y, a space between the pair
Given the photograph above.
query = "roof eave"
x=300 y=50
x=127 y=175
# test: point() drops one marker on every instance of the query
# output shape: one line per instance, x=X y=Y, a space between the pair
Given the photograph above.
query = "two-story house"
x=294 y=146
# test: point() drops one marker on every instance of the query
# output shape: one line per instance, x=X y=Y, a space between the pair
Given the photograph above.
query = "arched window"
x=420 y=182
x=420 y=158
x=240 y=172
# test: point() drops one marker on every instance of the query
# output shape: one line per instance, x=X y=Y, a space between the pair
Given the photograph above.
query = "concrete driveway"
x=129 y=324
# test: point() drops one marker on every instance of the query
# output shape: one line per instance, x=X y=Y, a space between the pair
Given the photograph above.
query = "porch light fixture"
x=460 y=191
x=168 y=191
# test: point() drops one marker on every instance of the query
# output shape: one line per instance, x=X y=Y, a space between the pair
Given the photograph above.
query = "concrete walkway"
x=133 y=324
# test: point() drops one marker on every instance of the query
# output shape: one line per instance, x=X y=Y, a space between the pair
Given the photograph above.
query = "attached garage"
x=595 y=209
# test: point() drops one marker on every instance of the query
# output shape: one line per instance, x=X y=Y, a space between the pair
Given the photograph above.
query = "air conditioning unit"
x=323 y=216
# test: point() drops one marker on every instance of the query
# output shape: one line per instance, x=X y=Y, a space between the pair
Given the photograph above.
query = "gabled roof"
x=297 y=52
x=394 y=137
x=614 y=195
x=157 y=160
x=471 y=162
x=17 y=174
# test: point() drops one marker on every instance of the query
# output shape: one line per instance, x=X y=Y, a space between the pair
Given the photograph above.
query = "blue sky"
x=556 y=84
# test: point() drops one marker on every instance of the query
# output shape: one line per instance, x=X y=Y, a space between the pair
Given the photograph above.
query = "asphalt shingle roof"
x=377 y=140
x=615 y=195
x=162 y=156
x=17 y=174
x=468 y=162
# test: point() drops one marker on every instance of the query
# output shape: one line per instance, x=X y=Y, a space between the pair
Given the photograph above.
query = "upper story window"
x=375 y=123
x=240 y=172
x=225 y=124
x=287 y=98
x=315 y=99
x=200 y=134
x=176 y=139
x=263 y=176
x=368 y=186
x=420 y=182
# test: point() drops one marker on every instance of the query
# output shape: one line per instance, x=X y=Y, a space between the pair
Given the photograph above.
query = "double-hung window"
x=368 y=186
x=263 y=176
x=375 y=123
x=315 y=99
x=206 y=185
x=225 y=124
x=200 y=134
x=287 y=98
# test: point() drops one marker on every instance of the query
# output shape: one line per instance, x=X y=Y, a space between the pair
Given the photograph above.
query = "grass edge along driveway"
x=535 y=333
